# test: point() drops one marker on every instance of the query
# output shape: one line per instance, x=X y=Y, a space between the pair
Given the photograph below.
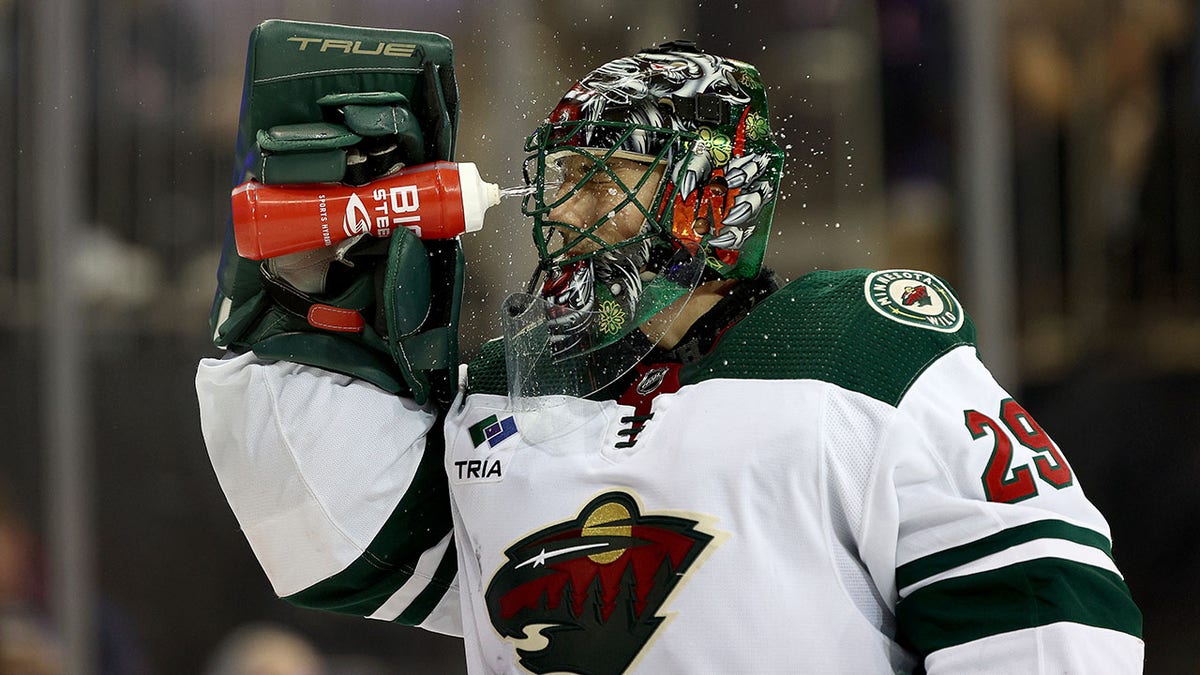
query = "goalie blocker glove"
x=324 y=103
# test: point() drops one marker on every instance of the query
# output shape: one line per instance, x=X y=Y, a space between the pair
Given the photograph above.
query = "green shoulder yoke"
x=873 y=332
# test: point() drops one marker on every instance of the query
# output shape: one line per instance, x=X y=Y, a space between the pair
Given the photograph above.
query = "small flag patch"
x=492 y=430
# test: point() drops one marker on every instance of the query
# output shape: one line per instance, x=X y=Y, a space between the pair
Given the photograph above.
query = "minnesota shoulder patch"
x=913 y=297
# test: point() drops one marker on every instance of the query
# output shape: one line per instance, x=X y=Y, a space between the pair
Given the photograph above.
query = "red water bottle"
x=439 y=200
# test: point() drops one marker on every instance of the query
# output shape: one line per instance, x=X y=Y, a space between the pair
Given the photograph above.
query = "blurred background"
x=1043 y=155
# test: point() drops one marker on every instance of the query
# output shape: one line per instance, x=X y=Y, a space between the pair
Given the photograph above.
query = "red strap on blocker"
x=336 y=319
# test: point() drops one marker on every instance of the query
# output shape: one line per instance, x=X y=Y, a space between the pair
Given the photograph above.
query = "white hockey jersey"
x=838 y=486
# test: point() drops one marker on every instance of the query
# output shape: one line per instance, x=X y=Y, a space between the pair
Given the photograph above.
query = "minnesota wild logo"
x=916 y=298
x=584 y=596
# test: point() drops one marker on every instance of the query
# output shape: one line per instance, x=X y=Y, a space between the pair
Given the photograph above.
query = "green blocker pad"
x=305 y=137
x=375 y=113
x=290 y=67
x=381 y=113
x=298 y=153
x=371 y=120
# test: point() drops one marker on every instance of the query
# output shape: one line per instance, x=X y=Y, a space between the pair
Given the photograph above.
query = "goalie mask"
x=654 y=173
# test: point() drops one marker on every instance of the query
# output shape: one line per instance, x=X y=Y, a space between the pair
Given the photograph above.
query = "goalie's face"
x=595 y=225
x=595 y=228
x=600 y=205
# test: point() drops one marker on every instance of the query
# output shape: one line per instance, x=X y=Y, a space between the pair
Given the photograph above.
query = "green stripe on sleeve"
x=421 y=606
x=418 y=523
x=359 y=589
x=923 y=568
x=1026 y=595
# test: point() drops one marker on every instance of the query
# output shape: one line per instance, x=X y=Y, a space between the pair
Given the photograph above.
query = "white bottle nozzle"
x=478 y=196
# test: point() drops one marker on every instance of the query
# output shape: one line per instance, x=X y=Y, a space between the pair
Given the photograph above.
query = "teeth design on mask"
x=689 y=183
x=570 y=290
x=741 y=211
x=744 y=170
x=731 y=237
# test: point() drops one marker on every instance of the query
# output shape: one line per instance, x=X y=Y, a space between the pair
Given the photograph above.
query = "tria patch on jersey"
x=915 y=298
x=585 y=595
x=479 y=470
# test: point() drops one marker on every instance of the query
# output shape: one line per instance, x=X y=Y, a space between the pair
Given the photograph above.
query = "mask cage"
x=554 y=142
